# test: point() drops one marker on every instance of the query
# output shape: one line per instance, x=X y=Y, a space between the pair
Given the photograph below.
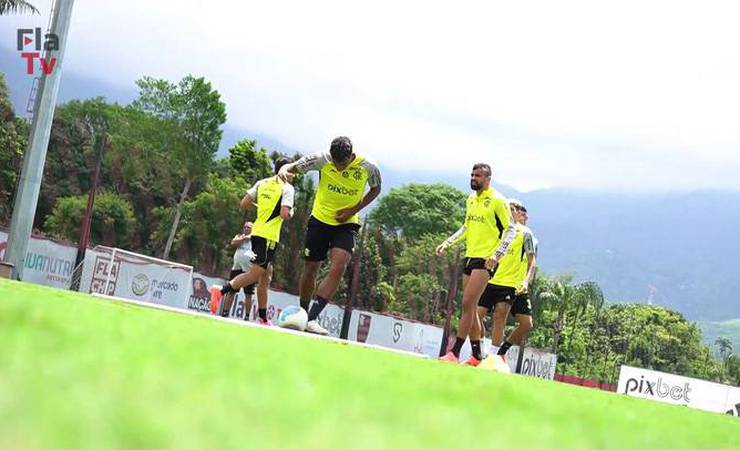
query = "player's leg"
x=469 y=321
x=339 y=258
x=500 y=313
x=315 y=250
x=522 y=311
x=523 y=327
x=225 y=305
x=476 y=332
x=262 y=295
x=264 y=251
x=248 y=299
x=341 y=240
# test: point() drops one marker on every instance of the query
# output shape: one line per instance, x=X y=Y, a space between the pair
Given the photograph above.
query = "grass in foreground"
x=83 y=373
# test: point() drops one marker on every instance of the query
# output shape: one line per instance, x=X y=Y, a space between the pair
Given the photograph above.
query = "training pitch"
x=82 y=372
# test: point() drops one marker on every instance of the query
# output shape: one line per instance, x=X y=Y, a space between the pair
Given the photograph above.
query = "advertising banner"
x=136 y=277
x=677 y=390
x=46 y=262
x=386 y=331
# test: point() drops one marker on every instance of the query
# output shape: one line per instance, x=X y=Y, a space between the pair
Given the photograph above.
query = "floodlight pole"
x=29 y=185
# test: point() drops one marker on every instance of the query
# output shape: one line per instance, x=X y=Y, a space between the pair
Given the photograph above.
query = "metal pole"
x=451 y=294
x=354 y=288
x=87 y=220
x=29 y=184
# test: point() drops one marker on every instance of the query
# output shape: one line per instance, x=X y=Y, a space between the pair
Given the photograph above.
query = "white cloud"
x=588 y=94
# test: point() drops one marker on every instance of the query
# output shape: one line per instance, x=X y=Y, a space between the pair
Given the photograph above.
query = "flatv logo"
x=30 y=39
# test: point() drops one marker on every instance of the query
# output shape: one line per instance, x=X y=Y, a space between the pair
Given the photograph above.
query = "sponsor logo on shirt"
x=342 y=190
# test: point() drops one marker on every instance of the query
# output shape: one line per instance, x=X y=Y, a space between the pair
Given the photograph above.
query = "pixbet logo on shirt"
x=658 y=389
x=28 y=36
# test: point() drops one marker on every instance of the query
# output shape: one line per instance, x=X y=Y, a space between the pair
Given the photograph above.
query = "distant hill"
x=683 y=244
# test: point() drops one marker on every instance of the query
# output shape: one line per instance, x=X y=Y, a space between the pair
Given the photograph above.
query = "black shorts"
x=496 y=294
x=320 y=237
x=249 y=289
x=471 y=264
x=264 y=251
x=521 y=305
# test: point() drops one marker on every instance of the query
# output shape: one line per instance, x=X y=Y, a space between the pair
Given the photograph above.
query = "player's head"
x=247 y=228
x=480 y=177
x=341 y=152
x=518 y=210
x=280 y=162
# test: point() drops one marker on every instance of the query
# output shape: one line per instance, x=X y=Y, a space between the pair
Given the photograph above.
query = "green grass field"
x=83 y=373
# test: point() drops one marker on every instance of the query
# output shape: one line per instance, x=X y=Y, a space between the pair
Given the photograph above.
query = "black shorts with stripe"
x=496 y=294
x=264 y=250
x=320 y=237
x=521 y=305
x=471 y=264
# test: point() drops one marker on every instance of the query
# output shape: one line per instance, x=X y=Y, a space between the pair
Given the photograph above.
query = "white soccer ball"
x=293 y=317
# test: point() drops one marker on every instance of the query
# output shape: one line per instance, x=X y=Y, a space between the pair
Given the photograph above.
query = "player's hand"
x=289 y=177
x=284 y=174
x=344 y=215
x=491 y=263
x=522 y=289
x=441 y=248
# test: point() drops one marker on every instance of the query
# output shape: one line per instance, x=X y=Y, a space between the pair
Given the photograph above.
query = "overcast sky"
x=640 y=95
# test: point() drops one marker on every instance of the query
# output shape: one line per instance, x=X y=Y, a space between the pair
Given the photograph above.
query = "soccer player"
x=332 y=228
x=512 y=276
x=522 y=307
x=488 y=231
x=273 y=198
x=243 y=257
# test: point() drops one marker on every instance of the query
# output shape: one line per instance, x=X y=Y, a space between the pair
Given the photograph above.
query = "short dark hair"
x=341 y=148
x=483 y=166
x=280 y=162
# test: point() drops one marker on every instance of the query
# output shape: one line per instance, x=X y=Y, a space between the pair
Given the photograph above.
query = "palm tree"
x=561 y=294
x=16 y=7
x=725 y=347
x=725 y=350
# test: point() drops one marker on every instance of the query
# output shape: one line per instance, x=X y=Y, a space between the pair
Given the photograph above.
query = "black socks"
x=262 y=312
x=317 y=308
x=226 y=288
x=504 y=348
x=458 y=346
x=475 y=345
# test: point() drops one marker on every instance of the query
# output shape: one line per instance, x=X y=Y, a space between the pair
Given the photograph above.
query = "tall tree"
x=13 y=139
x=414 y=210
x=198 y=112
x=113 y=221
x=249 y=163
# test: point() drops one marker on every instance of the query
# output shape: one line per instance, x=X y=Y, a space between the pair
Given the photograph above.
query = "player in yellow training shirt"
x=343 y=179
x=511 y=281
x=273 y=198
x=488 y=231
